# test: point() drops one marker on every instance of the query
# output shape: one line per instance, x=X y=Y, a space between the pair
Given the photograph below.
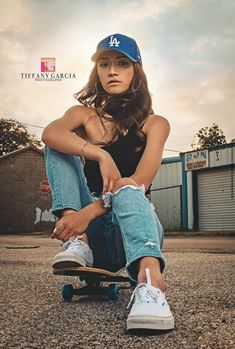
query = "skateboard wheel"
x=67 y=292
x=113 y=291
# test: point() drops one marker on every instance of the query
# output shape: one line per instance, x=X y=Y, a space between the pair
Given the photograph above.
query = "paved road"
x=200 y=273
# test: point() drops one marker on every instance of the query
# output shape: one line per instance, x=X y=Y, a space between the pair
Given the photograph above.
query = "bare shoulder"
x=156 y=122
x=74 y=117
x=80 y=112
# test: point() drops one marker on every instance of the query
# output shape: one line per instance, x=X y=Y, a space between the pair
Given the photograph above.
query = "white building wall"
x=221 y=157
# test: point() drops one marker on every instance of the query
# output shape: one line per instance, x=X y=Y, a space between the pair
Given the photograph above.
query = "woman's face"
x=115 y=72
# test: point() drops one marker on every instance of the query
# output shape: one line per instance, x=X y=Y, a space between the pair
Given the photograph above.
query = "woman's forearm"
x=96 y=209
x=68 y=142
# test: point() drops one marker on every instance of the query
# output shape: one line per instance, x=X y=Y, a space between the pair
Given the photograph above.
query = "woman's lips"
x=114 y=82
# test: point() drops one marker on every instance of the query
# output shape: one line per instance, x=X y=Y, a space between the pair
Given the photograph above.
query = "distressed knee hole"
x=150 y=243
x=125 y=186
x=107 y=197
x=129 y=186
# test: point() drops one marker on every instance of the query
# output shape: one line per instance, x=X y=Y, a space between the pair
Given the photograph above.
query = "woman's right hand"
x=109 y=172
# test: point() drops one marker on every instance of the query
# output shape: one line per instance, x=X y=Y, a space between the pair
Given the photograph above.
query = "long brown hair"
x=127 y=109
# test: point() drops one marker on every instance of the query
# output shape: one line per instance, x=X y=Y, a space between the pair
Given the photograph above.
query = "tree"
x=208 y=137
x=15 y=135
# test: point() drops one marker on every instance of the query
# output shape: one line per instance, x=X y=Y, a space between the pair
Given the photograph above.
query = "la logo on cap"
x=114 y=41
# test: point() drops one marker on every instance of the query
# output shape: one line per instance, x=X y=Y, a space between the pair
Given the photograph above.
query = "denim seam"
x=56 y=189
x=161 y=235
x=57 y=200
x=146 y=238
x=84 y=180
x=126 y=248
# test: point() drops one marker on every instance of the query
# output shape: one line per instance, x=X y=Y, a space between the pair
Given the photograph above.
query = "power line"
x=32 y=125
x=175 y=151
x=172 y=150
x=24 y=123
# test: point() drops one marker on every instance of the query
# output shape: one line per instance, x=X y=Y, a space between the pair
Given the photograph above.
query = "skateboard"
x=94 y=277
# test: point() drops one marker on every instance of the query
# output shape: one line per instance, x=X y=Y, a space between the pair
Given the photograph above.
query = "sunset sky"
x=187 y=47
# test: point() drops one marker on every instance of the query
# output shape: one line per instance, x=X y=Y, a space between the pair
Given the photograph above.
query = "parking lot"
x=200 y=275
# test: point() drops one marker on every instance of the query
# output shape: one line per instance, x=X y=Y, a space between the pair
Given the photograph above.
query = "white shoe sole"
x=152 y=323
x=69 y=261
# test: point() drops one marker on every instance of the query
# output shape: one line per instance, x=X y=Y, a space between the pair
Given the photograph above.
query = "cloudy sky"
x=187 y=48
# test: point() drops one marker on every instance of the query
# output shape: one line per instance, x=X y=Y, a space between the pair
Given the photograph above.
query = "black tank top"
x=124 y=156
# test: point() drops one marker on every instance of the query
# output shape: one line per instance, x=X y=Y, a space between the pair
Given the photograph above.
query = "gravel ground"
x=200 y=274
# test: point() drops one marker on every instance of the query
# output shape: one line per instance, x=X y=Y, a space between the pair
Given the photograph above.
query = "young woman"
x=101 y=158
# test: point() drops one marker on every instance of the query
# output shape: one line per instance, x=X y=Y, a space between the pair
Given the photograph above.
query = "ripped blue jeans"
x=119 y=238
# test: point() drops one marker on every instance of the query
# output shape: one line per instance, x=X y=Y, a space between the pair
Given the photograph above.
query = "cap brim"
x=97 y=54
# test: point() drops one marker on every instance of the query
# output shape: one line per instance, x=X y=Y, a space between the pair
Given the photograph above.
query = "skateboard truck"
x=93 y=278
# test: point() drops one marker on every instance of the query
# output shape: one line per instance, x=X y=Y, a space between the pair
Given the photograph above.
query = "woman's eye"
x=123 y=63
x=103 y=65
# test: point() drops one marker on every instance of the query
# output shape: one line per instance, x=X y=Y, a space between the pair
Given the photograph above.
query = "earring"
x=97 y=90
x=134 y=90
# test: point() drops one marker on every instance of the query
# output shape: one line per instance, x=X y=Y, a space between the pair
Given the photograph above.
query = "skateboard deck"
x=93 y=278
x=93 y=273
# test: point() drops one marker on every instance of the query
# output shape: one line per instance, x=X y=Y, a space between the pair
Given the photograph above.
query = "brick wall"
x=23 y=208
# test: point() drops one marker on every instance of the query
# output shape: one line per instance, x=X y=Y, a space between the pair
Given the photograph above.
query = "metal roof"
x=22 y=150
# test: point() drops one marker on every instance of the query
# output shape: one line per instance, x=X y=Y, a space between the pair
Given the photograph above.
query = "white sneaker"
x=150 y=309
x=77 y=253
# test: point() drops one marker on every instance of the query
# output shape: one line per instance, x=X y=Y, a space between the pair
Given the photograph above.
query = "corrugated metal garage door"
x=216 y=201
x=167 y=203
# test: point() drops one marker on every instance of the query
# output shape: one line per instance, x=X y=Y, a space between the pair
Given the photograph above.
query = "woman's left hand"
x=73 y=224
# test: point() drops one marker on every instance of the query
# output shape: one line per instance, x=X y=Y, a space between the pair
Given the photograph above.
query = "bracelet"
x=82 y=153
x=81 y=150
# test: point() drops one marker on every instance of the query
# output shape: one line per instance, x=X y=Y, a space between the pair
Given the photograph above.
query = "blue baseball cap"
x=120 y=43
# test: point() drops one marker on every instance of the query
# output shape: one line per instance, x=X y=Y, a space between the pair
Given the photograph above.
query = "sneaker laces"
x=144 y=293
x=73 y=242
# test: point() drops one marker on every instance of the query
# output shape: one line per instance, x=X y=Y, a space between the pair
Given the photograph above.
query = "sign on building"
x=45 y=187
x=196 y=160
